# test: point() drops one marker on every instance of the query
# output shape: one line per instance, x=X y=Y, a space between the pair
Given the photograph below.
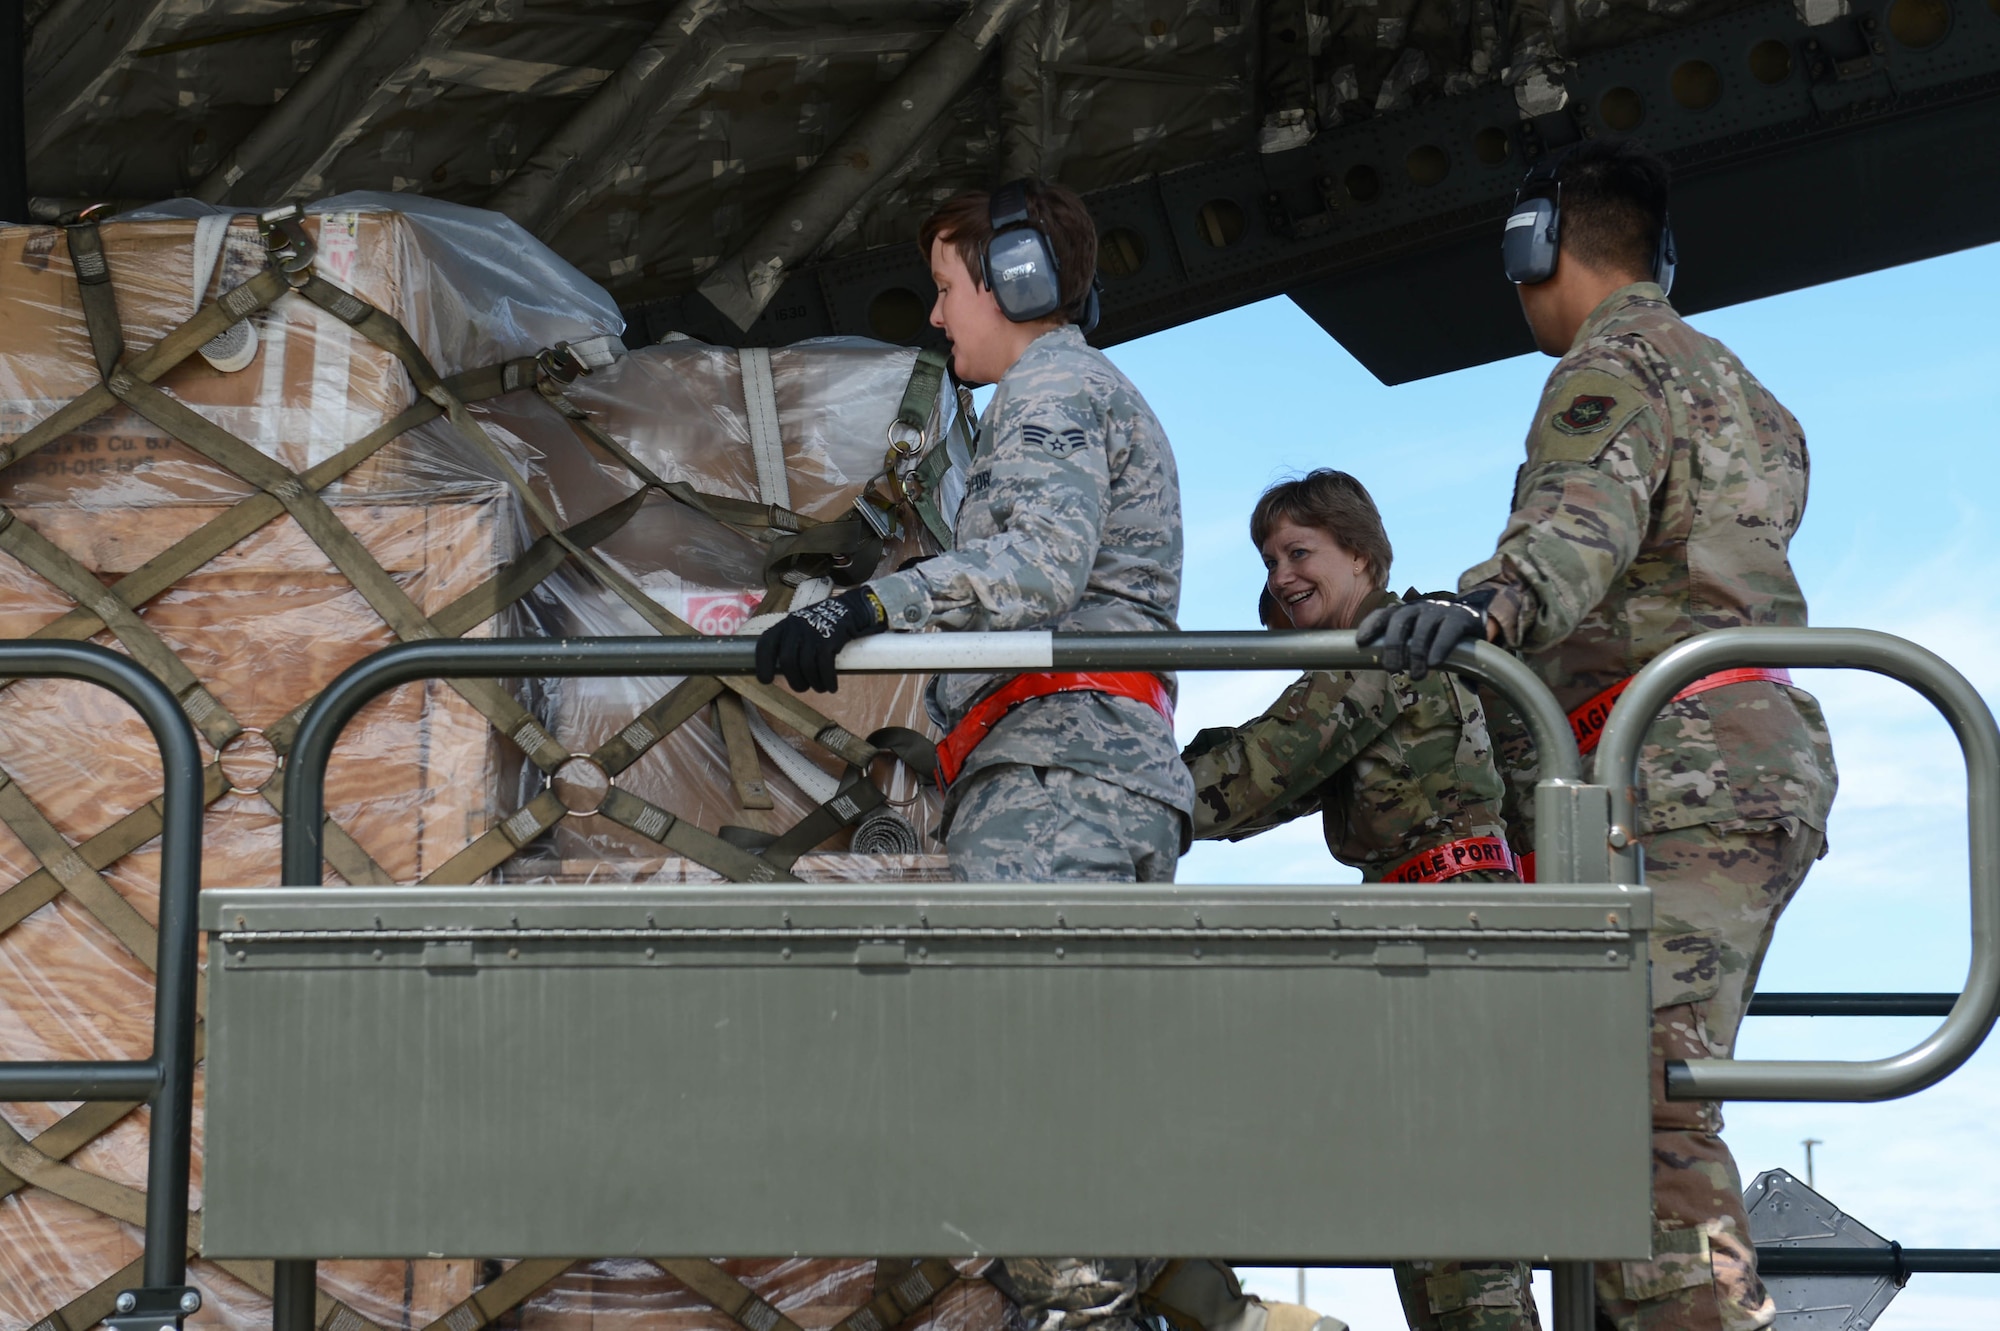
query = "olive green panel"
x=1265 y=1073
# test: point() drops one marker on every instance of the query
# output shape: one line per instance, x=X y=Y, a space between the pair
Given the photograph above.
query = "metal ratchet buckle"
x=561 y=363
x=286 y=243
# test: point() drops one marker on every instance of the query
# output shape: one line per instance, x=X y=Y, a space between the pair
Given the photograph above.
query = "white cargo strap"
x=760 y=401
x=209 y=232
x=235 y=346
x=813 y=781
x=594 y=353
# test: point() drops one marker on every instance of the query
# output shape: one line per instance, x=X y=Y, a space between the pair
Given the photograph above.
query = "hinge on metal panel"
x=448 y=954
x=154 y=1309
x=881 y=952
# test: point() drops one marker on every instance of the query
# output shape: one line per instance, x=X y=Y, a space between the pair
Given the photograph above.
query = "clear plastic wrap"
x=680 y=409
x=267 y=619
x=263 y=622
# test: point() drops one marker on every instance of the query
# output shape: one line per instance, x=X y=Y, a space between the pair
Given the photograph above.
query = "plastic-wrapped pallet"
x=200 y=570
x=182 y=516
x=686 y=410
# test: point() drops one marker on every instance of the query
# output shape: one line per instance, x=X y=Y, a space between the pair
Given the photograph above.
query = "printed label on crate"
x=339 y=247
x=720 y=613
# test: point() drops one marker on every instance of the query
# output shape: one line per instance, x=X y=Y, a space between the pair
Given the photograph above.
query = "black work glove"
x=1419 y=634
x=804 y=643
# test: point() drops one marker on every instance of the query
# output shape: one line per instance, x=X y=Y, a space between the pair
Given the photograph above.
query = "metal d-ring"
x=222 y=752
x=919 y=782
x=610 y=784
x=915 y=433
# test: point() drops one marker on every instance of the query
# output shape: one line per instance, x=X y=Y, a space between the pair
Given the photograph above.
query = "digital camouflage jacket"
x=1393 y=765
x=1661 y=490
x=1071 y=521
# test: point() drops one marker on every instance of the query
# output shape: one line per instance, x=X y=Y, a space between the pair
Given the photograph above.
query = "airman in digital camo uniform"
x=1662 y=487
x=1071 y=520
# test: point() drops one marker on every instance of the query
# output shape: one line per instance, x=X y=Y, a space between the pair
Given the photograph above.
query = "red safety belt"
x=1466 y=855
x=1587 y=721
x=986 y=713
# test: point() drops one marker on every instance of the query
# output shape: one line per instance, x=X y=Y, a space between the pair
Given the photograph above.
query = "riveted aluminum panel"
x=1268 y=1073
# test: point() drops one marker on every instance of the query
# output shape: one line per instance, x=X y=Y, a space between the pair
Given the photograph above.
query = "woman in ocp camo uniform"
x=1400 y=771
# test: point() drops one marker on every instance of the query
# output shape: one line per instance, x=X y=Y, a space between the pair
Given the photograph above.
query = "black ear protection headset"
x=1530 y=245
x=1019 y=265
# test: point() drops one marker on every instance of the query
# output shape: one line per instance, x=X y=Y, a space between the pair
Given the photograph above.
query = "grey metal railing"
x=1569 y=816
x=1973 y=1013
x=1584 y=831
x=305 y=768
x=164 y=1079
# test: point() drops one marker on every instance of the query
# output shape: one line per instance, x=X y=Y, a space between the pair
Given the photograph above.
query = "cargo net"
x=71 y=1183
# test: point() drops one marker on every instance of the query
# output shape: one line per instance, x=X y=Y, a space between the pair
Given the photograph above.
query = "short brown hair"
x=1335 y=503
x=966 y=222
x=1614 y=203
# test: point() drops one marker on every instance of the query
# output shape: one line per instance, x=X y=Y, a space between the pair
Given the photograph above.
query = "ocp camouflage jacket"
x=1393 y=765
x=1661 y=490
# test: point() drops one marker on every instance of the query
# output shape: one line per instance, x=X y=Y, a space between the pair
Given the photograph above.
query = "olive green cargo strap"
x=77 y=878
x=855 y=799
x=501 y=1295
x=386 y=333
x=203 y=544
x=332 y=536
x=115 y=842
x=746 y=772
x=495 y=846
x=198 y=547
x=900 y=1295
x=91 y=1307
x=390 y=335
x=383 y=594
x=42 y=555
x=684 y=838
x=799 y=547
x=728 y=1295
x=233 y=306
x=725 y=509
x=891 y=1307
x=93 y=289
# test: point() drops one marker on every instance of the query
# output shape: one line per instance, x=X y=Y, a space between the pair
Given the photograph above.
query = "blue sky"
x=1896 y=377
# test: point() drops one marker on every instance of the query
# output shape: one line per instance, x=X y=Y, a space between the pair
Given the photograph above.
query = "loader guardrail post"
x=1973 y=1012
x=164 y=1079
x=1570 y=832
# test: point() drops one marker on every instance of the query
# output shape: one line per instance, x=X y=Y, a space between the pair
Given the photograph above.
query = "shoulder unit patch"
x=1589 y=412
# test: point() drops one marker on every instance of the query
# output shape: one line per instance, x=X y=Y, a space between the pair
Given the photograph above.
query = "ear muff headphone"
x=1019 y=265
x=1531 y=242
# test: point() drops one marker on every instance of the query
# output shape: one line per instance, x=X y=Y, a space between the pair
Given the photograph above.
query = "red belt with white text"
x=1587 y=721
x=956 y=747
x=1453 y=858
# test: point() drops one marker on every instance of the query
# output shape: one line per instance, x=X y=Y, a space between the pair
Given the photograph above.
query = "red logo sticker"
x=720 y=614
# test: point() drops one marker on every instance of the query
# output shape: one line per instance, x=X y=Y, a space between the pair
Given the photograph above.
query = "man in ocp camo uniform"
x=1662 y=487
x=1071 y=521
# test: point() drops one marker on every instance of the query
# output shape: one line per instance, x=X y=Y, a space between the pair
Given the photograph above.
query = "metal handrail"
x=163 y=1079
x=1973 y=1015
x=406 y=663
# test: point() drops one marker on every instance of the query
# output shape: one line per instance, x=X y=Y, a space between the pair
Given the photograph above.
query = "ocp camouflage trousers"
x=1716 y=900
x=1466 y=1296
